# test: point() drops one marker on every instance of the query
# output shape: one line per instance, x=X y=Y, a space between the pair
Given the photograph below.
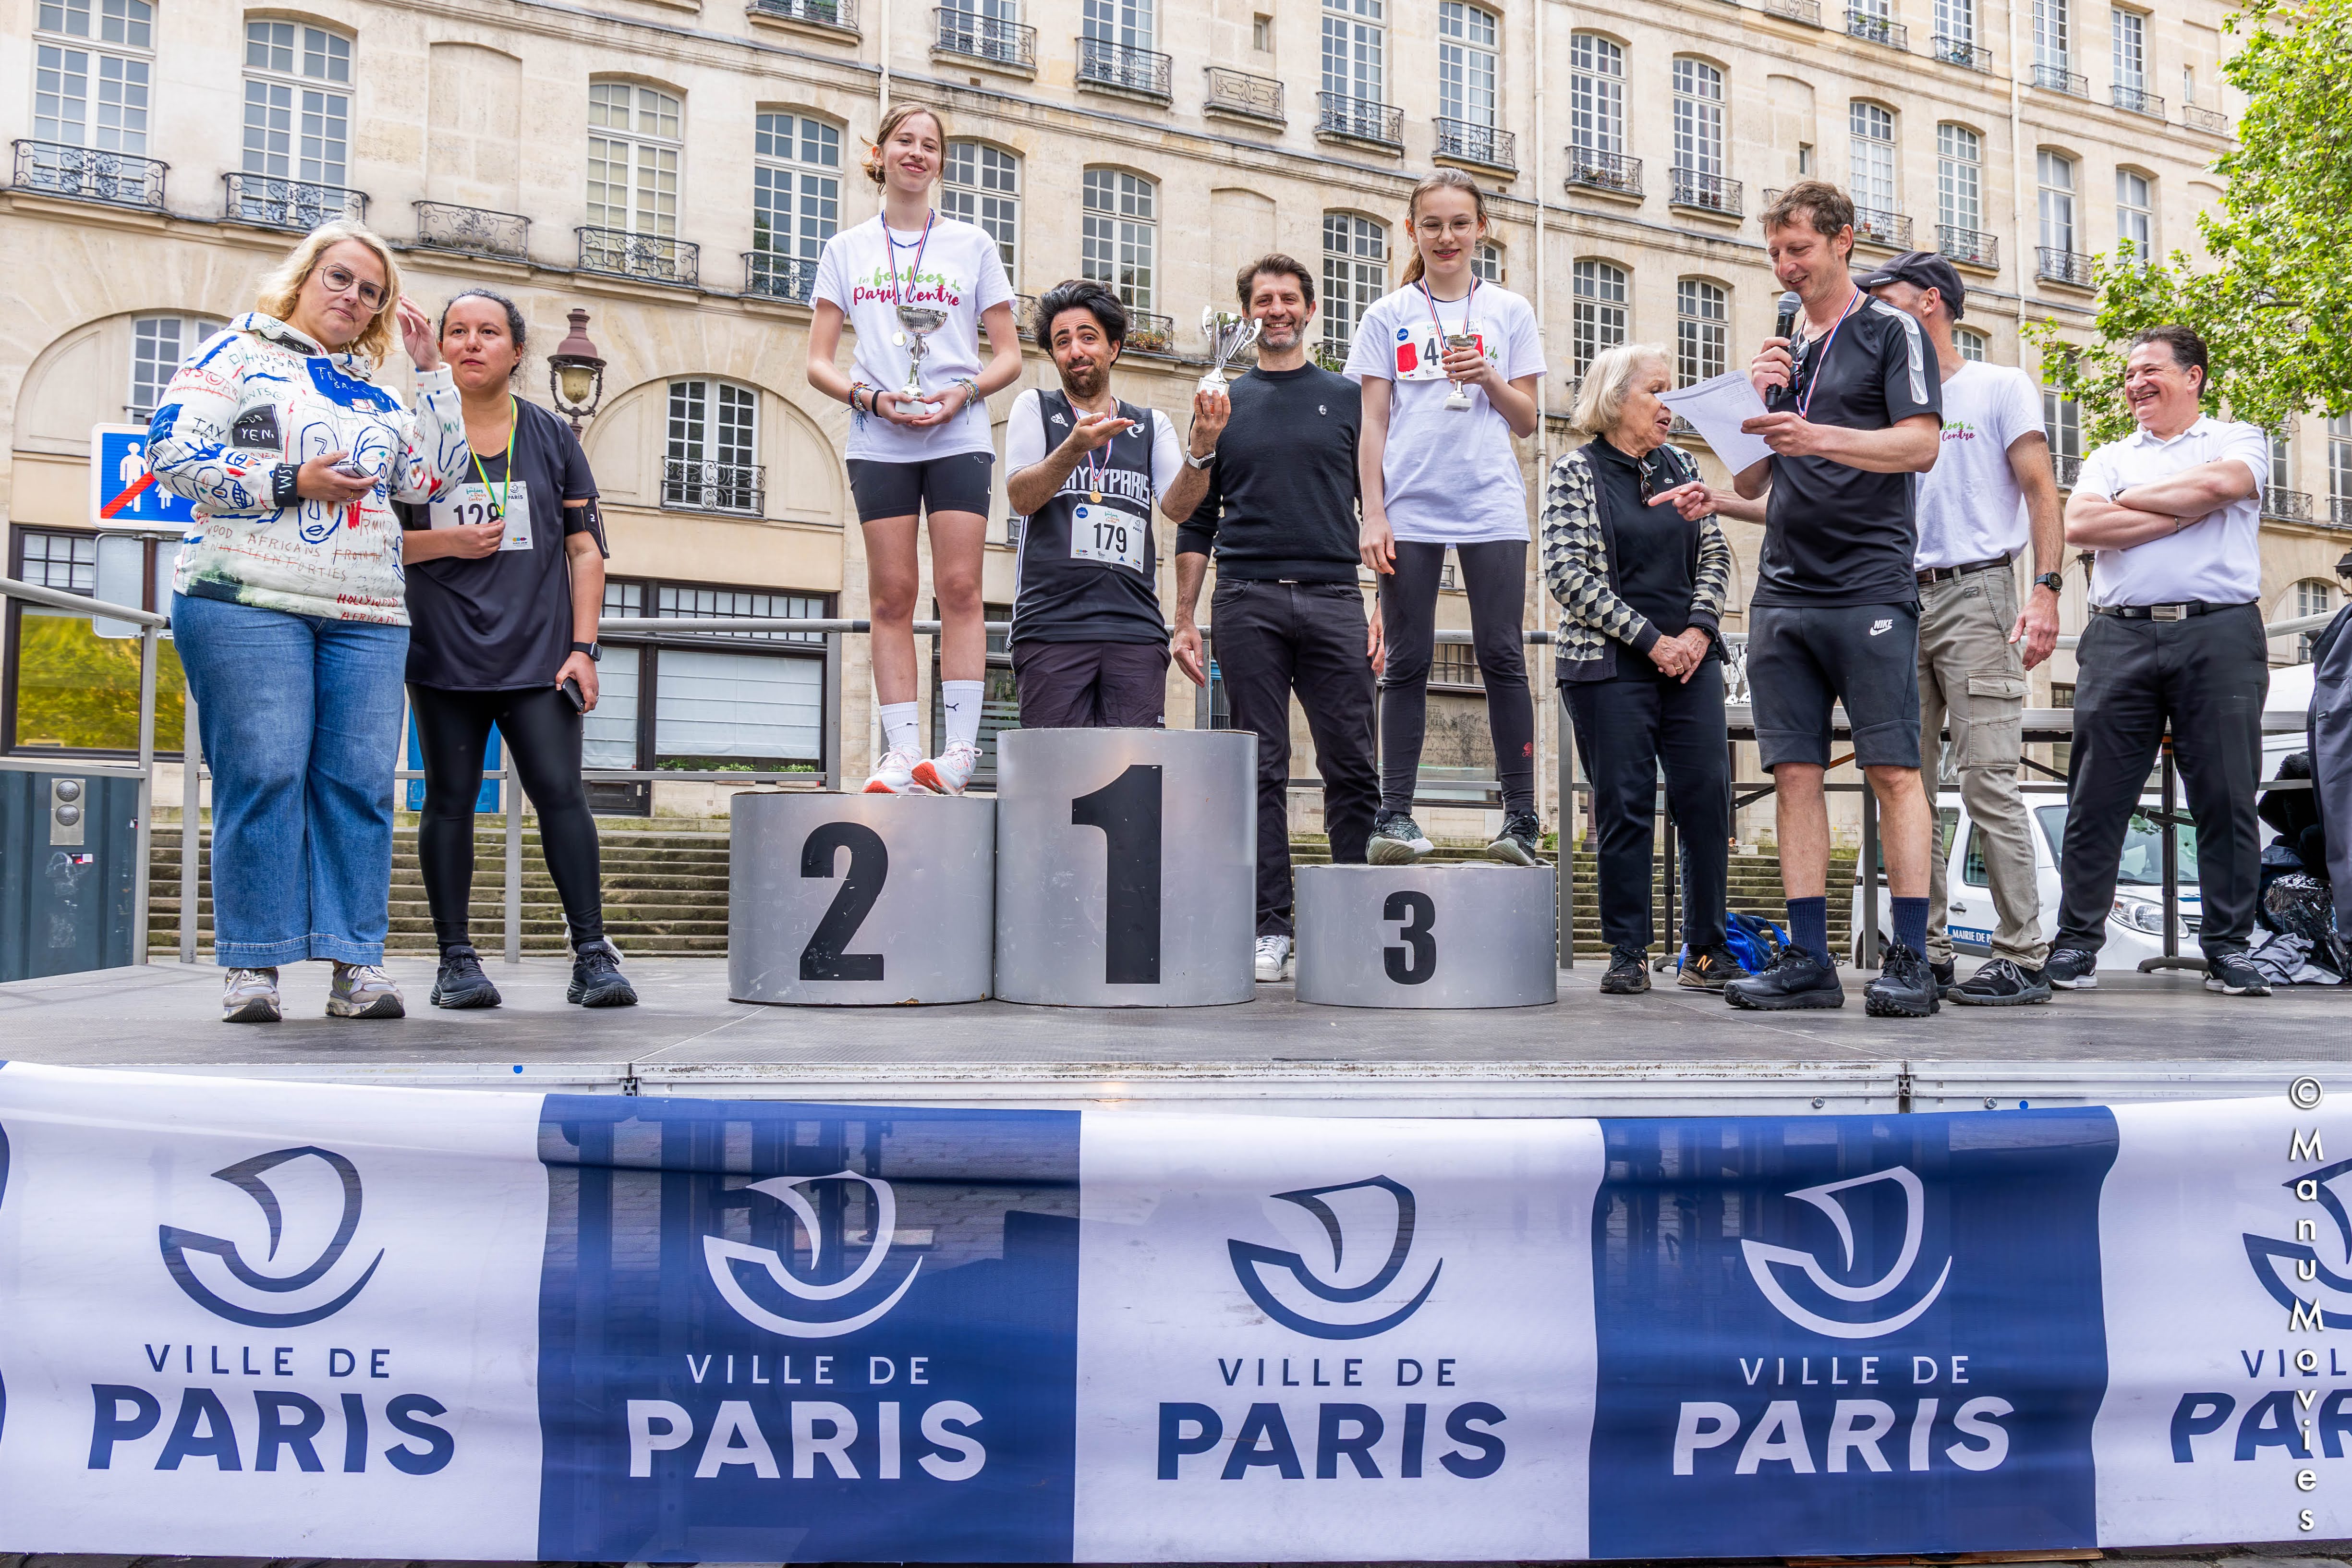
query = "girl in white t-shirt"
x=927 y=452
x=1438 y=468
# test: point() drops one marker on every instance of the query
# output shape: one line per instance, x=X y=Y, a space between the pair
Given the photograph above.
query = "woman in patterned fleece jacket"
x=288 y=606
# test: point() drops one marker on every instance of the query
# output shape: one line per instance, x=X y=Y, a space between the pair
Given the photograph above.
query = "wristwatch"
x=1192 y=462
x=2054 y=582
x=591 y=649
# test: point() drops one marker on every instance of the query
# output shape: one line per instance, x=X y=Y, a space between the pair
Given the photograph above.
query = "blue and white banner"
x=277 y=1320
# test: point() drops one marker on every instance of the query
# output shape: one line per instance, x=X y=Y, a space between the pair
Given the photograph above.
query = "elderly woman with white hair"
x=1631 y=551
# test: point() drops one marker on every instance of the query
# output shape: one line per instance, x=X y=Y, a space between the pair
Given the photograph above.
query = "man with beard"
x=1279 y=515
x=1088 y=648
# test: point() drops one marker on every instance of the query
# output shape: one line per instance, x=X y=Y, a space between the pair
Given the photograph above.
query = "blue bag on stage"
x=1755 y=943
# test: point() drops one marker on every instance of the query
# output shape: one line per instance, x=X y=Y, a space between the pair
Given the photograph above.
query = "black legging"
x=1495 y=574
x=542 y=736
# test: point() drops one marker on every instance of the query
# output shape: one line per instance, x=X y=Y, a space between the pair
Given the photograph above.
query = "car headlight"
x=2139 y=914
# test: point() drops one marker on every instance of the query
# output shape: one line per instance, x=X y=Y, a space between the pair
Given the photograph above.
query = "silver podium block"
x=1428 y=936
x=1125 y=866
x=860 y=899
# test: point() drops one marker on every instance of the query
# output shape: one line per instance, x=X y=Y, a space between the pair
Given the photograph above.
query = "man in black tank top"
x=1089 y=649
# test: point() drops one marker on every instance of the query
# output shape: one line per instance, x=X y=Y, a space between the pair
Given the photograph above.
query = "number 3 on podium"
x=1128 y=810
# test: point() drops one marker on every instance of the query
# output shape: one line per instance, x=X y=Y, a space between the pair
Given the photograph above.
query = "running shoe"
x=1794 y=978
x=948 y=773
x=1628 y=975
x=2003 y=982
x=1905 y=987
x=363 y=991
x=1397 y=840
x=597 y=978
x=1522 y=833
x=250 y=997
x=895 y=773
x=1710 y=970
x=2072 y=969
x=2234 y=974
x=461 y=982
x=1274 y=960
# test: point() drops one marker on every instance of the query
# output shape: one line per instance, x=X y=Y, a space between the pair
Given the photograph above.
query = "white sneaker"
x=948 y=773
x=363 y=991
x=895 y=773
x=250 y=997
x=1273 y=959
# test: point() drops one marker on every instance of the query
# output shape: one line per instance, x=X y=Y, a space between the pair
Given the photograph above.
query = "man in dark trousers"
x=2172 y=513
x=2331 y=748
x=1280 y=516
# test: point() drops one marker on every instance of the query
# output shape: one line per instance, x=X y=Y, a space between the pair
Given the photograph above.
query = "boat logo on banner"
x=720 y=1256
x=2303 y=1295
x=244 y=1294
x=1252 y=1264
x=1763 y=1259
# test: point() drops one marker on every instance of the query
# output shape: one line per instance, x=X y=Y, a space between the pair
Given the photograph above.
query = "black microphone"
x=1790 y=303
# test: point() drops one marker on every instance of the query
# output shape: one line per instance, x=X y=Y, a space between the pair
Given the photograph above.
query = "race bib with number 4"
x=1106 y=534
x=1421 y=356
x=474 y=503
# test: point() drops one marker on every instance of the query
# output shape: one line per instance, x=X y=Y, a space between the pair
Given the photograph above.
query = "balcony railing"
x=2058 y=79
x=2286 y=506
x=771 y=276
x=1480 y=144
x=1603 y=172
x=1238 y=92
x=989 y=38
x=1102 y=63
x=2055 y=266
x=1872 y=226
x=2137 y=101
x=2067 y=467
x=2210 y=120
x=2339 y=511
x=688 y=485
x=656 y=257
x=1809 y=12
x=472 y=231
x=840 y=15
x=1877 y=29
x=269 y=202
x=1149 y=334
x=1359 y=118
x=1969 y=247
x=1708 y=193
x=1959 y=52
x=89 y=174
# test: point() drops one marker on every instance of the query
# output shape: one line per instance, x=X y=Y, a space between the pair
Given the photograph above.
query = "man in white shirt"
x=2175 y=637
x=1990 y=494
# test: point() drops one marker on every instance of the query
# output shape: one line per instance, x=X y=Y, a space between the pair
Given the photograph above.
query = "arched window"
x=1959 y=181
x=1355 y=275
x=1870 y=155
x=710 y=454
x=2136 y=211
x=795 y=202
x=298 y=118
x=1698 y=118
x=1702 y=330
x=1971 y=344
x=158 y=344
x=1596 y=95
x=1602 y=291
x=1120 y=235
x=982 y=186
x=635 y=143
x=92 y=72
x=1487 y=262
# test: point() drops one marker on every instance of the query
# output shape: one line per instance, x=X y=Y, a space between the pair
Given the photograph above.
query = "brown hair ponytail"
x=899 y=114
x=1443 y=180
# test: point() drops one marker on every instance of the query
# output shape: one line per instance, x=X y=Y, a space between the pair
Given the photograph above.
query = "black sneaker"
x=1904 y=986
x=461 y=982
x=1629 y=974
x=1945 y=971
x=1709 y=971
x=2072 y=969
x=596 y=979
x=1794 y=979
x=1522 y=832
x=2234 y=974
x=1397 y=840
x=2001 y=984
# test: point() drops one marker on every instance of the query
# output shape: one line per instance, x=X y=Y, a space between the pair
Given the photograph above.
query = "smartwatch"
x=591 y=649
x=2054 y=582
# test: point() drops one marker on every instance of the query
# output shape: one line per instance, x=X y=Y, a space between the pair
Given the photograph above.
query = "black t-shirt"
x=1836 y=535
x=1654 y=553
x=1281 y=505
x=1087 y=570
x=503 y=622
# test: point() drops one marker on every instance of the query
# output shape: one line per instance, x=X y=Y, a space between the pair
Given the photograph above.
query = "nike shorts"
x=1802 y=660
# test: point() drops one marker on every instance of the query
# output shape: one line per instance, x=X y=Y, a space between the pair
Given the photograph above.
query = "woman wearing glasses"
x=1631 y=551
x=287 y=606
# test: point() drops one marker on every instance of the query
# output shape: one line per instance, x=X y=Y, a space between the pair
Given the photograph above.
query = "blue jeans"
x=301 y=721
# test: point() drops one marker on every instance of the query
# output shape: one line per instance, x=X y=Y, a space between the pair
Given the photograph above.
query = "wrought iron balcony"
x=2058 y=79
x=1809 y=12
x=472 y=231
x=2066 y=467
x=1969 y=247
x=1238 y=92
x=2210 y=120
x=1603 y=172
x=989 y=38
x=1359 y=119
x=1149 y=334
x=1877 y=29
x=656 y=257
x=2286 y=506
x=1707 y=193
x=90 y=174
x=1480 y=144
x=839 y=15
x=267 y=202
x=773 y=276
x=2339 y=511
x=688 y=485
x=1872 y=226
x=1102 y=63
x=2137 y=101
x=1959 y=52
x=2069 y=267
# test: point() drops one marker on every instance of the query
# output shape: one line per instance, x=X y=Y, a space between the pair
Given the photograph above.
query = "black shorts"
x=1091 y=685
x=1802 y=660
x=961 y=483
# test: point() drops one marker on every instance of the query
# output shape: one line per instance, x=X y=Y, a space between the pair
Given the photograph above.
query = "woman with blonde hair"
x=917 y=287
x=287 y=606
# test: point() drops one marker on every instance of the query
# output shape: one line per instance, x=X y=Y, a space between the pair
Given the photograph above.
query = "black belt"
x=2180 y=612
x=1945 y=573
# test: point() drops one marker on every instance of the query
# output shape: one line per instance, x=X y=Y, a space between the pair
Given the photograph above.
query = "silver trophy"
x=1467 y=338
x=1228 y=335
x=919 y=322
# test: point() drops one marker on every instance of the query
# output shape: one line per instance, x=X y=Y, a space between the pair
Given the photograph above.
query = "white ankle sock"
x=900 y=731
x=962 y=699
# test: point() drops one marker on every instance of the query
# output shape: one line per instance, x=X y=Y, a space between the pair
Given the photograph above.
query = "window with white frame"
x=1596 y=95
x=795 y=197
x=2281 y=444
x=1486 y=263
x=298 y=103
x=1119 y=235
x=2136 y=212
x=635 y=144
x=1599 y=316
x=1465 y=64
x=981 y=186
x=1870 y=155
x=1956 y=21
x=1971 y=344
x=1702 y=330
x=2313 y=596
x=2056 y=173
x=2131 y=49
x=1960 y=178
x=1355 y=50
x=710 y=453
x=1130 y=24
x=1355 y=275
x=1698 y=118
x=2339 y=466
x=158 y=344
x=2054 y=35
x=2062 y=423
x=93 y=73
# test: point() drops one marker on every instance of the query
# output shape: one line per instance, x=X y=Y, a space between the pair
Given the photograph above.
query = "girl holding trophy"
x=1448 y=364
x=918 y=286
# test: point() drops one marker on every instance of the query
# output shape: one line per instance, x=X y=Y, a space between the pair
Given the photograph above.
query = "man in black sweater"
x=1280 y=515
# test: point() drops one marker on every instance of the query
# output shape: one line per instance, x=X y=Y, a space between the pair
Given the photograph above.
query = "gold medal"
x=1095 y=495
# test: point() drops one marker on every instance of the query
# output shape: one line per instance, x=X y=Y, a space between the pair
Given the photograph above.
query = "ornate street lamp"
x=575 y=373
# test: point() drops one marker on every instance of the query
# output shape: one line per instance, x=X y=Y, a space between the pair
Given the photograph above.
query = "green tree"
x=2273 y=302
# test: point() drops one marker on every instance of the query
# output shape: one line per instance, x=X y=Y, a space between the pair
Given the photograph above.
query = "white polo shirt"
x=2217 y=559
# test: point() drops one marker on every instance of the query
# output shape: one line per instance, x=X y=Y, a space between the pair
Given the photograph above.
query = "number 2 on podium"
x=869 y=868
x=1129 y=811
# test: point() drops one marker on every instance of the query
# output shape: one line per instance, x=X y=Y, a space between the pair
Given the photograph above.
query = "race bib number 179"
x=1106 y=535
